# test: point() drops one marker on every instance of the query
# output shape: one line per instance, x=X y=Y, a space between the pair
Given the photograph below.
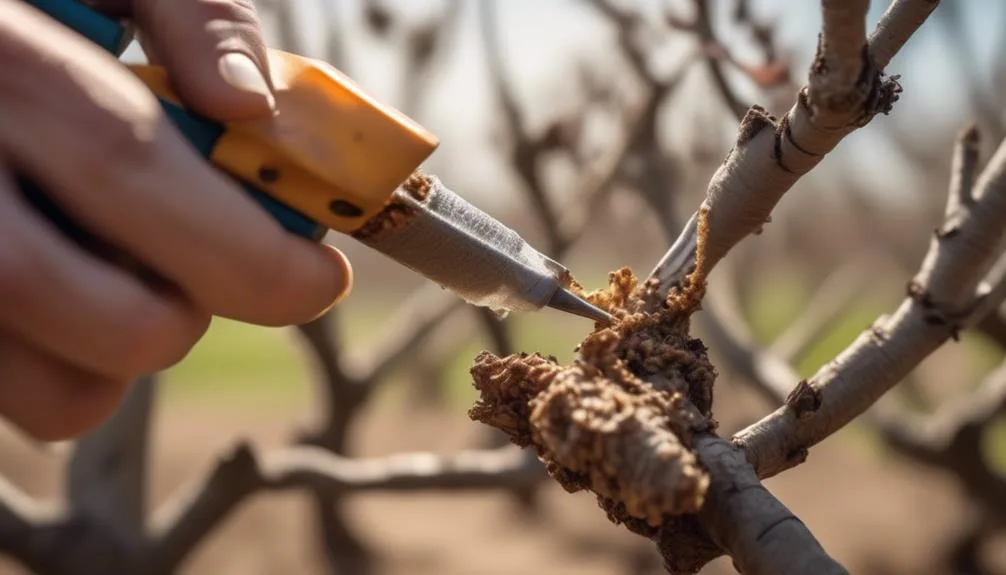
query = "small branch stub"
x=803 y=400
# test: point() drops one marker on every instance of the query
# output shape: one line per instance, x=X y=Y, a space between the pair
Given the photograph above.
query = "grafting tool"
x=333 y=158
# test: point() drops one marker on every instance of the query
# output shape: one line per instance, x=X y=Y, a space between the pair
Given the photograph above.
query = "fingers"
x=47 y=398
x=97 y=141
x=81 y=309
x=214 y=52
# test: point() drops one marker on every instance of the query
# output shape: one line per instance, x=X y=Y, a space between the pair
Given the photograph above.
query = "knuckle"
x=85 y=406
x=240 y=12
x=130 y=140
x=149 y=336
x=281 y=294
x=278 y=295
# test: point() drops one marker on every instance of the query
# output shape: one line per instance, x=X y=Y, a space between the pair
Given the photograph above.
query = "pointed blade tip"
x=567 y=301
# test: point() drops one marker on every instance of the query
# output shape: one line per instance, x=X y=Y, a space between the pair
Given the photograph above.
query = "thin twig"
x=896 y=26
x=835 y=295
x=526 y=150
x=704 y=27
x=729 y=334
x=181 y=523
x=952 y=438
x=423 y=312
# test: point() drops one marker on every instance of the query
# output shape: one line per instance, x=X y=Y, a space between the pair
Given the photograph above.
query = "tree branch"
x=896 y=26
x=423 y=312
x=704 y=27
x=770 y=154
x=759 y=533
x=839 y=64
x=195 y=512
x=526 y=149
x=106 y=475
x=952 y=438
x=943 y=298
x=729 y=334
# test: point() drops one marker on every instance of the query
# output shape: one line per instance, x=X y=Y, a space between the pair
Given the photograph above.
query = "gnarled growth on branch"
x=621 y=419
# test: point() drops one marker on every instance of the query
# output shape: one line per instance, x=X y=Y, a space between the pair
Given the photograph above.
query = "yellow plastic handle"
x=331 y=151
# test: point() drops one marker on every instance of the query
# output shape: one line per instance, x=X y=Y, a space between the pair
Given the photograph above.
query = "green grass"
x=774 y=303
x=240 y=361
x=994 y=446
x=235 y=361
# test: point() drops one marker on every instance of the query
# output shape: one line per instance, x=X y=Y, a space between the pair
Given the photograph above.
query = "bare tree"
x=632 y=419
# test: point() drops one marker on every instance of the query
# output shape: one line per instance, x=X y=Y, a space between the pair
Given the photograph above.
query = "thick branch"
x=761 y=535
x=975 y=255
x=106 y=476
x=839 y=64
x=942 y=300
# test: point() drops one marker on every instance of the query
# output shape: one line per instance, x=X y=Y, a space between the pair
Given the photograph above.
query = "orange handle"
x=330 y=152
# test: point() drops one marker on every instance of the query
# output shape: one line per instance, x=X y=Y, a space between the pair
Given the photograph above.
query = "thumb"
x=213 y=51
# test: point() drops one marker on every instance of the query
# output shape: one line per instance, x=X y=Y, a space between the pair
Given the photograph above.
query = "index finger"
x=213 y=51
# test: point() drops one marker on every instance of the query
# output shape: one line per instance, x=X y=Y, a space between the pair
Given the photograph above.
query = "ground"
x=868 y=511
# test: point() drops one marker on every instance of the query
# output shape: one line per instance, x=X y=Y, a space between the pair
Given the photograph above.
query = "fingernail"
x=346 y=272
x=241 y=72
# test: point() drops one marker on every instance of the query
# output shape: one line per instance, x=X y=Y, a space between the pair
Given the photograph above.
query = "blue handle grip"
x=201 y=132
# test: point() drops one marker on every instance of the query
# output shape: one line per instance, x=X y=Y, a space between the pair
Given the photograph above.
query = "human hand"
x=77 y=327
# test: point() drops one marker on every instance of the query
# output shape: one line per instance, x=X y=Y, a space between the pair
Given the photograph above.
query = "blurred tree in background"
x=593 y=128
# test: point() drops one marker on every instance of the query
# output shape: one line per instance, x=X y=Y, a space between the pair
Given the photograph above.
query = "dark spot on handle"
x=268 y=174
x=345 y=209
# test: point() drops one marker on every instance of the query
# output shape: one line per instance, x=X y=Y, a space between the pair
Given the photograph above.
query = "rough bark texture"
x=943 y=298
x=629 y=421
x=598 y=424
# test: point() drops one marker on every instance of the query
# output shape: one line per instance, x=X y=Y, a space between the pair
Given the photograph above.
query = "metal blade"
x=567 y=301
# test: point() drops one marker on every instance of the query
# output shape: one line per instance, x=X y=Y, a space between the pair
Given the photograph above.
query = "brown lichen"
x=418 y=185
x=620 y=420
x=396 y=213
